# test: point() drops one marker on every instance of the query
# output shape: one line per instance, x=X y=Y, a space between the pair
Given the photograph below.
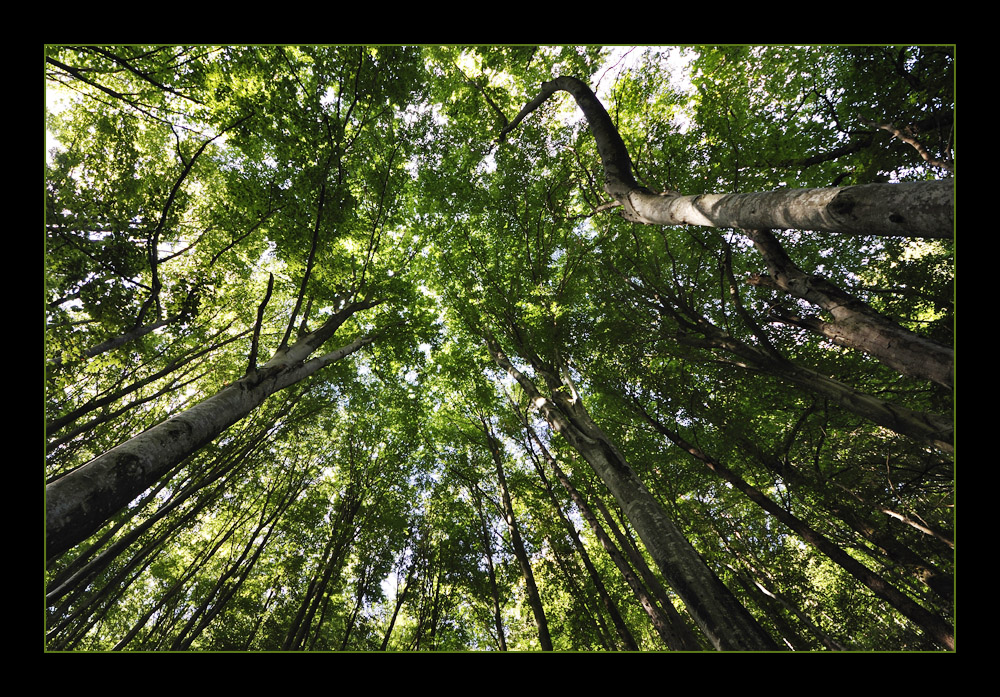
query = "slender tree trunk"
x=940 y=582
x=68 y=418
x=935 y=627
x=363 y=585
x=727 y=624
x=855 y=324
x=673 y=638
x=80 y=502
x=534 y=597
x=624 y=633
x=667 y=621
x=400 y=599
x=569 y=571
x=342 y=533
x=933 y=429
x=490 y=570
x=232 y=579
x=121 y=339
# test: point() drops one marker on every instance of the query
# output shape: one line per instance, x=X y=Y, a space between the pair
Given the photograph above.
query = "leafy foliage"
x=203 y=202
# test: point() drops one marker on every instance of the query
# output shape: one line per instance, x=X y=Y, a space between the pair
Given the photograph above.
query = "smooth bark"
x=490 y=570
x=624 y=633
x=674 y=635
x=934 y=429
x=855 y=324
x=909 y=209
x=727 y=624
x=78 y=503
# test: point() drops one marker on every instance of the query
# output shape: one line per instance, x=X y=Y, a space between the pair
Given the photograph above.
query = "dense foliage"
x=209 y=206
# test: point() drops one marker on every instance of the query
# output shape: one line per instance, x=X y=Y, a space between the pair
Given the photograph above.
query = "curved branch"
x=908 y=209
x=913 y=142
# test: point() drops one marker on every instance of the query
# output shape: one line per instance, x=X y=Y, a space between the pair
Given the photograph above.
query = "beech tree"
x=499 y=348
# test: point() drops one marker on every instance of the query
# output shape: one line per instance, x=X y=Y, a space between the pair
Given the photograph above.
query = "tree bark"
x=490 y=569
x=933 y=429
x=942 y=583
x=909 y=209
x=935 y=627
x=78 y=503
x=675 y=638
x=534 y=598
x=624 y=633
x=855 y=324
x=727 y=624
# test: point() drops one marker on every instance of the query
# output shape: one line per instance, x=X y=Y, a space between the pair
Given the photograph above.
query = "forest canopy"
x=450 y=348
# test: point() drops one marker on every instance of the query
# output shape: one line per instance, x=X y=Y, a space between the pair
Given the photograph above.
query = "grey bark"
x=727 y=624
x=854 y=323
x=935 y=429
x=78 y=503
x=674 y=637
x=624 y=633
x=910 y=209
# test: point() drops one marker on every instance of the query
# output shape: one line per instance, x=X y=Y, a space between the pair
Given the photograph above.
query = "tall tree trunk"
x=942 y=583
x=933 y=429
x=69 y=417
x=624 y=633
x=490 y=569
x=342 y=534
x=674 y=635
x=92 y=561
x=855 y=324
x=935 y=627
x=80 y=502
x=909 y=209
x=668 y=622
x=400 y=599
x=727 y=624
x=534 y=597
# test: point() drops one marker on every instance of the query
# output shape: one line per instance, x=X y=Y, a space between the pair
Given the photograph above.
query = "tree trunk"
x=909 y=209
x=490 y=569
x=78 y=503
x=624 y=633
x=400 y=599
x=677 y=640
x=855 y=324
x=935 y=627
x=942 y=583
x=727 y=624
x=933 y=429
x=534 y=598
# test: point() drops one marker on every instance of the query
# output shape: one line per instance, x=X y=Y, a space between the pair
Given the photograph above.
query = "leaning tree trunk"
x=80 y=502
x=726 y=623
x=534 y=597
x=674 y=637
x=910 y=209
x=624 y=633
x=855 y=324
x=938 y=629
